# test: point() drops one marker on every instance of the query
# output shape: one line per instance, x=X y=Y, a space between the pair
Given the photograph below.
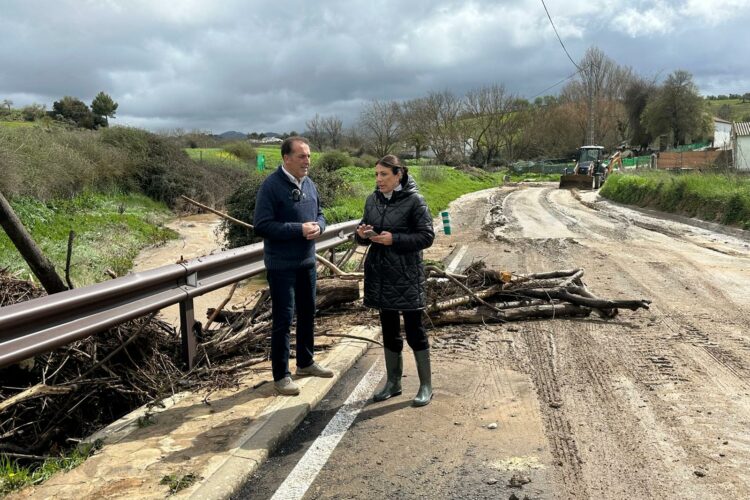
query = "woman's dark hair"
x=286 y=146
x=393 y=162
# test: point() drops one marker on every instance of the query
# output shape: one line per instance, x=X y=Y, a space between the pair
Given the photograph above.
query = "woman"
x=397 y=225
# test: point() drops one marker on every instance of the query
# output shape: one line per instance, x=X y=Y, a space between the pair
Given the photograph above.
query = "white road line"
x=302 y=476
x=457 y=259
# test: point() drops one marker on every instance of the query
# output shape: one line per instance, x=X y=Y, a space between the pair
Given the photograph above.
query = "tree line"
x=604 y=103
x=70 y=110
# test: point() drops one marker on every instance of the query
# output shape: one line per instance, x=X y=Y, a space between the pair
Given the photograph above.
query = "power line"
x=558 y=37
x=554 y=85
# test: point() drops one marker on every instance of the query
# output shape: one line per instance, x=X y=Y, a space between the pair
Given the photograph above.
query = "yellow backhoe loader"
x=589 y=171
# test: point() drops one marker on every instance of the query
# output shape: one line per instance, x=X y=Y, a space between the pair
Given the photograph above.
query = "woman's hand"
x=384 y=238
x=361 y=229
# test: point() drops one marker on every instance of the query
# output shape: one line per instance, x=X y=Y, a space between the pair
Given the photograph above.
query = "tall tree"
x=7 y=103
x=678 y=110
x=103 y=107
x=332 y=126
x=380 y=125
x=75 y=111
x=638 y=93
x=413 y=126
x=598 y=93
x=487 y=110
x=441 y=114
x=315 y=132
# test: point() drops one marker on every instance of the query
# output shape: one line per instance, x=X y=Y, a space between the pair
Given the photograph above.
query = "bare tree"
x=315 y=132
x=441 y=114
x=598 y=98
x=332 y=126
x=380 y=125
x=490 y=111
x=413 y=124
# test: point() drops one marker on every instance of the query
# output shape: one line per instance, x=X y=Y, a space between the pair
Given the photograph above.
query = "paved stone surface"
x=221 y=443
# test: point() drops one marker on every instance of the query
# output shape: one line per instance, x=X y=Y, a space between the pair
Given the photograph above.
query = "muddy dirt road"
x=652 y=404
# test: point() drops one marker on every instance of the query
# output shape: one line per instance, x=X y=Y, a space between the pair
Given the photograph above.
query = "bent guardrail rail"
x=40 y=325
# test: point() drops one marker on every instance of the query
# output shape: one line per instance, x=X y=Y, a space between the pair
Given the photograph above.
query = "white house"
x=741 y=145
x=722 y=134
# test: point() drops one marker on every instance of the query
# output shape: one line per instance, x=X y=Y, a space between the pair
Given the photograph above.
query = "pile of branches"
x=247 y=331
x=49 y=402
x=14 y=290
x=482 y=295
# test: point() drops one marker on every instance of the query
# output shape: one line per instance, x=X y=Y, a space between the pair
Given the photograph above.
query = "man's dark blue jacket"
x=279 y=215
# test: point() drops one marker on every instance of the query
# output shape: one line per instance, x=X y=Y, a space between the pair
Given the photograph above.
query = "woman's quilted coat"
x=394 y=275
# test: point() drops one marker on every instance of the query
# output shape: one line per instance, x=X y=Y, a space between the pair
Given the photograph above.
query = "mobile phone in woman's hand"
x=370 y=233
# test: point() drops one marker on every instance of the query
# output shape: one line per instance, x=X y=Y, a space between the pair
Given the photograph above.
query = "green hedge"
x=723 y=198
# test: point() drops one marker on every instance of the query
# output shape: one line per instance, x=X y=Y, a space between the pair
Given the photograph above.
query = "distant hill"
x=232 y=135
x=736 y=110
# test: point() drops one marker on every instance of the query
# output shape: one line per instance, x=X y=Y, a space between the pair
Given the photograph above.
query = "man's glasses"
x=298 y=195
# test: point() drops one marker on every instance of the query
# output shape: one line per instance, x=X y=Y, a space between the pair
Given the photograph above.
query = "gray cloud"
x=258 y=66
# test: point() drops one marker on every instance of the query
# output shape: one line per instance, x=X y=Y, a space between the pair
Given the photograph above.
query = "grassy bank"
x=110 y=231
x=723 y=198
x=438 y=184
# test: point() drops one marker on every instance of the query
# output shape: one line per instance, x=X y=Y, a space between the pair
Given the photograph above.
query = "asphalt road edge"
x=226 y=475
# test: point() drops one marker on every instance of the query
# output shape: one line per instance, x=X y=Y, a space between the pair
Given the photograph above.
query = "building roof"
x=741 y=129
x=721 y=120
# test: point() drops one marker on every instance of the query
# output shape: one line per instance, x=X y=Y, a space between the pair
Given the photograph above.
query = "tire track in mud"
x=690 y=328
x=593 y=224
x=541 y=352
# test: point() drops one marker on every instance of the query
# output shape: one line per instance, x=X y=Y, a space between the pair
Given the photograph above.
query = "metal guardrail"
x=40 y=325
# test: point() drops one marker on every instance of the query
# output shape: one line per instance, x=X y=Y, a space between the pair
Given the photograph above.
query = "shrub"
x=365 y=161
x=241 y=205
x=241 y=149
x=332 y=161
x=431 y=173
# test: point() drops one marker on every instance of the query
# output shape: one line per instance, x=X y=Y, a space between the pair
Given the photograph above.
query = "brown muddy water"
x=198 y=237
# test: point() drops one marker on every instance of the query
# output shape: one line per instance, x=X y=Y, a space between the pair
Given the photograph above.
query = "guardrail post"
x=187 y=330
x=188 y=326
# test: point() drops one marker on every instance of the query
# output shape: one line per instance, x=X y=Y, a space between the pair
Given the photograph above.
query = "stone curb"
x=230 y=471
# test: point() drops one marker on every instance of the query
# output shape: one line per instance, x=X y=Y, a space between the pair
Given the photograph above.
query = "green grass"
x=14 y=476
x=17 y=124
x=215 y=155
x=714 y=197
x=273 y=155
x=438 y=189
x=110 y=231
x=534 y=177
x=740 y=110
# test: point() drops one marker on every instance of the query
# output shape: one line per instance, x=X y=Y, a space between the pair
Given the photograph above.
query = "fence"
x=691 y=159
x=40 y=325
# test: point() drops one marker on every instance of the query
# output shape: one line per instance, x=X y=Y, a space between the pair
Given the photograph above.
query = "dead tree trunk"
x=332 y=292
x=39 y=264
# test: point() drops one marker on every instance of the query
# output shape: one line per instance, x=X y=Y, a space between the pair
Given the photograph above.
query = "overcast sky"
x=249 y=66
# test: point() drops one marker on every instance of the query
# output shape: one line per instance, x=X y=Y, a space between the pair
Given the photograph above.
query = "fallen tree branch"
x=221 y=306
x=338 y=272
x=220 y=214
x=35 y=392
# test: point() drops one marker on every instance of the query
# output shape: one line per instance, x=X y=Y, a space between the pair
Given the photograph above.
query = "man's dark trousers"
x=290 y=288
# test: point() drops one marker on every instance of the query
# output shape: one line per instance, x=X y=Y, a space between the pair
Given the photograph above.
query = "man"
x=289 y=218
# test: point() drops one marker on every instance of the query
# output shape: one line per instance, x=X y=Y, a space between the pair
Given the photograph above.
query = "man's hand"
x=310 y=230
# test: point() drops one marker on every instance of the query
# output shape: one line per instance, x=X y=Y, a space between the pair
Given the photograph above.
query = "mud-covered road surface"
x=651 y=404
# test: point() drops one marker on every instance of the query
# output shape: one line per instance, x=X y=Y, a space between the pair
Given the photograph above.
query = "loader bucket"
x=576 y=181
